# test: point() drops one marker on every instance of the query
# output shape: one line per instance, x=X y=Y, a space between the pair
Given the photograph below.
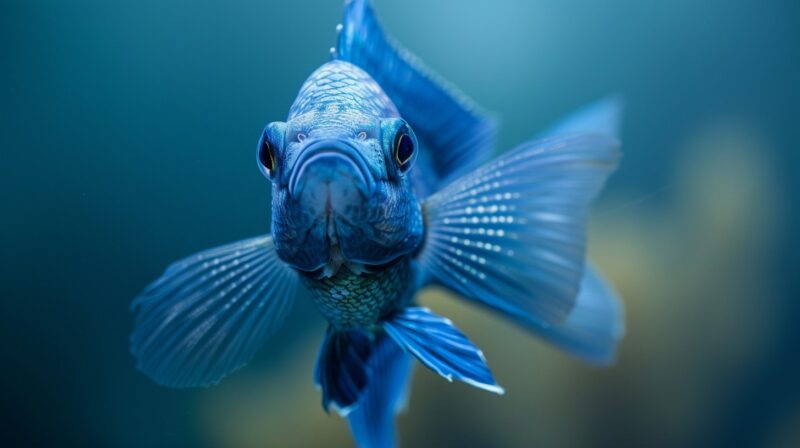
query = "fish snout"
x=331 y=167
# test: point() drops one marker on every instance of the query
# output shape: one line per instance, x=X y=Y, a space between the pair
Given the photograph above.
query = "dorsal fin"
x=450 y=125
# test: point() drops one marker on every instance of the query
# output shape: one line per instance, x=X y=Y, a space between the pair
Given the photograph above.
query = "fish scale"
x=341 y=85
x=349 y=300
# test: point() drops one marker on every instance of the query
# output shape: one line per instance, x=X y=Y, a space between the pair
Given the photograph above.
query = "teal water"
x=128 y=134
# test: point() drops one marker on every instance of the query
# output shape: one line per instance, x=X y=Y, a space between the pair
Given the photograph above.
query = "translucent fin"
x=595 y=325
x=372 y=421
x=601 y=117
x=342 y=370
x=458 y=135
x=512 y=234
x=209 y=313
x=440 y=346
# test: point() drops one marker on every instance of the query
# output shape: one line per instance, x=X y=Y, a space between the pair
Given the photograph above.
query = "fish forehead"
x=339 y=91
x=333 y=120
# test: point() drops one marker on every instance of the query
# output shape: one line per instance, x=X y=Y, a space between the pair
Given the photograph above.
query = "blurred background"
x=127 y=136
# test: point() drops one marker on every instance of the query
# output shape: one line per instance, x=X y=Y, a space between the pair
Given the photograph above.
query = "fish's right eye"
x=269 y=152
x=266 y=154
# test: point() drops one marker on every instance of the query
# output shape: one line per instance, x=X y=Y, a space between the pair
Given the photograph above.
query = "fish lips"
x=330 y=179
x=328 y=161
x=334 y=208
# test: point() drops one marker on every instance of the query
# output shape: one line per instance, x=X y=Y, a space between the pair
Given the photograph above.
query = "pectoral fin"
x=593 y=329
x=209 y=313
x=512 y=235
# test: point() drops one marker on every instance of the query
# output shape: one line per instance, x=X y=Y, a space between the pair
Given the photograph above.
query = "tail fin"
x=372 y=421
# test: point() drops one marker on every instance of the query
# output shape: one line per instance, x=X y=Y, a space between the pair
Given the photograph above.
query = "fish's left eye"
x=403 y=150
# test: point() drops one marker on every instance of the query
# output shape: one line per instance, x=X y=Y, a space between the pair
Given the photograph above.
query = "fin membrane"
x=441 y=347
x=601 y=117
x=372 y=421
x=209 y=313
x=512 y=234
x=342 y=369
x=458 y=135
x=593 y=329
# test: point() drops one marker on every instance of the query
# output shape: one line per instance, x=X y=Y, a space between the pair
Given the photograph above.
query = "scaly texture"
x=349 y=300
x=337 y=80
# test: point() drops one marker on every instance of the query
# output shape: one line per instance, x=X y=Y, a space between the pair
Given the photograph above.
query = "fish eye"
x=266 y=154
x=403 y=150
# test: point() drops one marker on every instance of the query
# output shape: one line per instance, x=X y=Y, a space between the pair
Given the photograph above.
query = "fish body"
x=383 y=184
x=344 y=214
x=351 y=300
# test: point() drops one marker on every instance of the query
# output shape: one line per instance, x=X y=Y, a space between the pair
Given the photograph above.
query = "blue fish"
x=382 y=185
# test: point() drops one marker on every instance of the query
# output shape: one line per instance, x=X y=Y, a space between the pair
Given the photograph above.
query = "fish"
x=383 y=183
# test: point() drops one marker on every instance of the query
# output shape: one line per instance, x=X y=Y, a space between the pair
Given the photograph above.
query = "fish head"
x=341 y=190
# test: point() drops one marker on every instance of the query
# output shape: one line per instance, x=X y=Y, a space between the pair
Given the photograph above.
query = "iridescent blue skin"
x=344 y=211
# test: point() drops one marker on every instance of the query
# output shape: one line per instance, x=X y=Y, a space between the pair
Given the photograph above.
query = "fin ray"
x=512 y=234
x=452 y=127
x=342 y=369
x=208 y=314
x=441 y=347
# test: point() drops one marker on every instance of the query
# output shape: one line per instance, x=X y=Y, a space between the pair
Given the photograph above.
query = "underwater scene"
x=133 y=135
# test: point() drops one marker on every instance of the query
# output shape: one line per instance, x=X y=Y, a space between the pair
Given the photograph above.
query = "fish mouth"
x=328 y=158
